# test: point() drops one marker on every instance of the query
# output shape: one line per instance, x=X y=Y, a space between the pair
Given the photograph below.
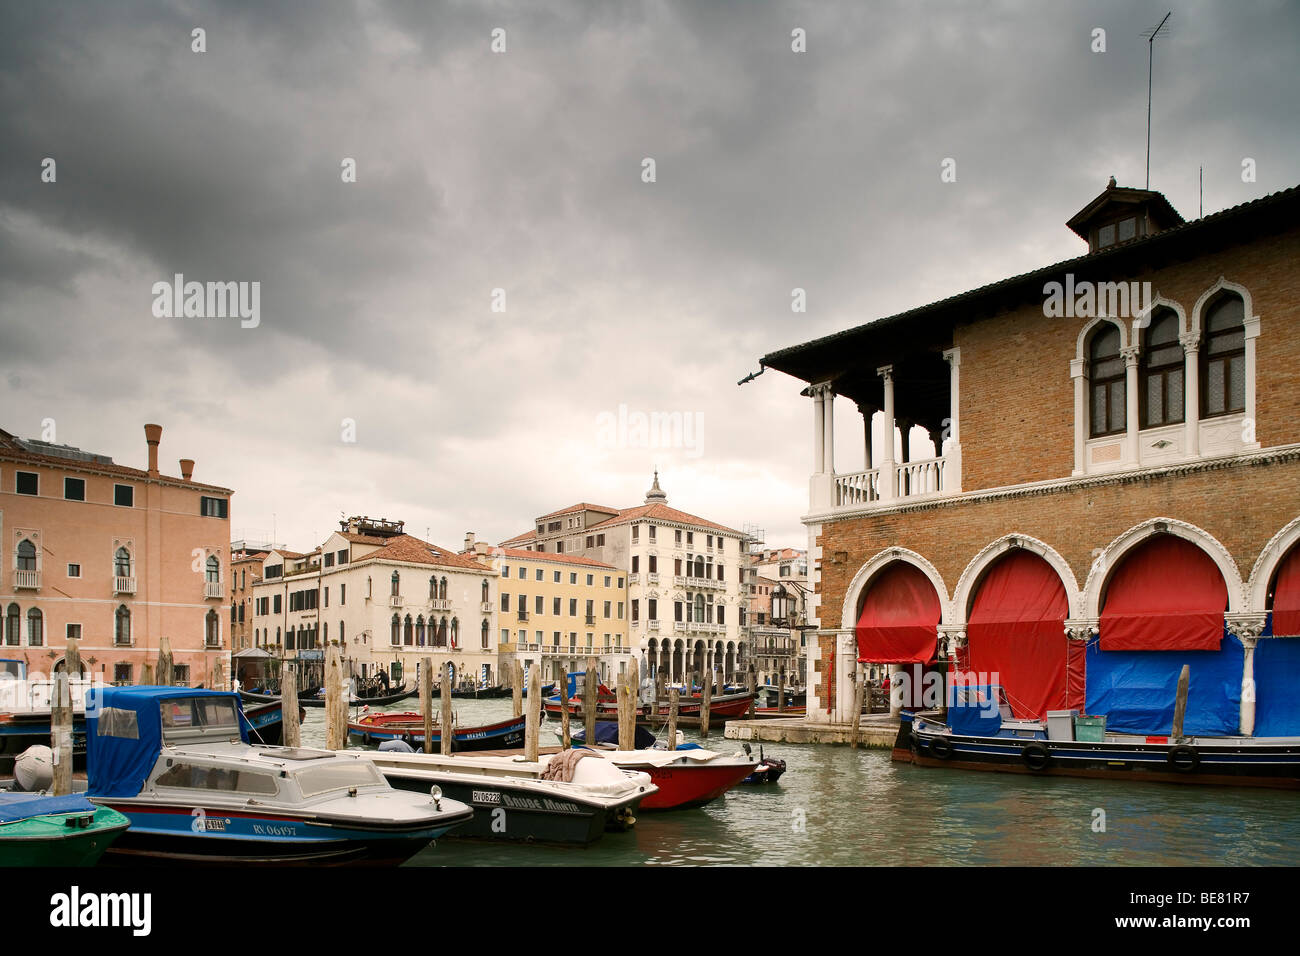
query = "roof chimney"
x=153 y=435
x=469 y=540
x=187 y=468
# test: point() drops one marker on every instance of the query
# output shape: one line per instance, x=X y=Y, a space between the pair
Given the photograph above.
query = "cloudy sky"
x=522 y=171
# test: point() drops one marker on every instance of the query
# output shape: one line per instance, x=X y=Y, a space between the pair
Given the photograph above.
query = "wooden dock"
x=875 y=730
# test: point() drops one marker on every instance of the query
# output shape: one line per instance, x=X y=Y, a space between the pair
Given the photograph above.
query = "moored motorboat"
x=685 y=778
x=981 y=734
x=25 y=712
x=178 y=764
x=41 y=830
x=266 y=722
x=721 y=708
x=317 y=700
x=374 y=728
x=513 y=799
x=769 y=769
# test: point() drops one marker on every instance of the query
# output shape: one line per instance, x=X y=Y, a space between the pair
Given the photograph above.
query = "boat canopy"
x=607 y=733
x=127 y=726
x=24 y=806
x=974 y=709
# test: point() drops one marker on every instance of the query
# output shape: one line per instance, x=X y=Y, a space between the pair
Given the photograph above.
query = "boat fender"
x=941 y=747
x=1036 y=756
x=1183 y=759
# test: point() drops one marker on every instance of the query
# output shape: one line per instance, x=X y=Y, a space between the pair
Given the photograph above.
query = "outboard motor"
x=34 y=769
x=396 y=747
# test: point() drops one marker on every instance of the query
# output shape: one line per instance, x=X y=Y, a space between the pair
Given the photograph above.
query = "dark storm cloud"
x=522 y=171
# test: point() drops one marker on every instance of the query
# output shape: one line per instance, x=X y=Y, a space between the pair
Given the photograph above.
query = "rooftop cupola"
x=1121 y=214
x=656 y=495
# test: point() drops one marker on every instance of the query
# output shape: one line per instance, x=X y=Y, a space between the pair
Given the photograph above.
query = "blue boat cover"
x=1277 y=677
x=124 y=734
x=1136 y=689
x=607 y=733
x=973 y=710
x=24 y=806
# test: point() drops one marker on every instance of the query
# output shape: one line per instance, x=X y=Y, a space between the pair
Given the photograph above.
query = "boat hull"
x=49 y=841
x=20 y=731
x=518 y=814
x=682 y=787
x=173 y=834
x=1275 y=766
x=504 y=735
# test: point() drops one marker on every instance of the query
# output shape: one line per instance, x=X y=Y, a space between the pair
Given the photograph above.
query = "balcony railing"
x=653 y=625
x=212 y=642
x=394 y=600
x=486 y=607
x=439 y=604
x=634 y=577
x=522 y=615
x=698 y=584
x=913 y=479
x=653 y=577
x=591 y=619
x=213 y=589
x=123 y=585
x=27 y=579
x=701 y=627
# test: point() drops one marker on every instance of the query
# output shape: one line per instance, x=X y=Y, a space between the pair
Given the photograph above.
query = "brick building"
x=1111 y=483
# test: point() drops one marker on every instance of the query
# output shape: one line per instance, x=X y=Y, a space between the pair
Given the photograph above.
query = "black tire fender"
x=1183 y=759
x=1036 y=756
x=941 y=747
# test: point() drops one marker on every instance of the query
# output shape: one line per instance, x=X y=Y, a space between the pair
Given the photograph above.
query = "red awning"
x=900 y=618
x=1167 y=595
x=1016 y=633
x=1286 y=596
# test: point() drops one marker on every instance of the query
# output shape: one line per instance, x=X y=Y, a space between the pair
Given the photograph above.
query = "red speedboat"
x=685 y=778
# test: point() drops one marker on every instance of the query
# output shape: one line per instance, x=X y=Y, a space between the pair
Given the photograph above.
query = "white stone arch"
x=852 y=596
x=970 y=578
x=1080 y=347
x=1113 y=554
x=1222 y=284
x=1267 y=563
x=1159 y=302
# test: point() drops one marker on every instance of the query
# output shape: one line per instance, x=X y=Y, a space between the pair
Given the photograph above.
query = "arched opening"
x=677 y=662
x=1162 y=607
x=1016 y=634
x=897 y=624
x=1277 y=655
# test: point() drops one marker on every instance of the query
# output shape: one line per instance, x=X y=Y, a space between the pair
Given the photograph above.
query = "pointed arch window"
x=12 y=619
x=455 y=632
x=212 y=629
x=419 y=631
x=433 y=587
x=26 y=555
x=396 y=582
x=408 y=633
x=1106 y=382
x=213 y=570
x=483 y=631
x=35 y=628
x=1223 y=358
x=442 y=589
x=485 y=597
x=122 y=625
x=396 y=636
x=1161 y=371
x=122 y=563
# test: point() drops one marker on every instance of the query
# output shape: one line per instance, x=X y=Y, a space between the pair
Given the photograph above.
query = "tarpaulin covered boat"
x=409 y=726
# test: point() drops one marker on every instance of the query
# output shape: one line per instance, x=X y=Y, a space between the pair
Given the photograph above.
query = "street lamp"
x=780 y=605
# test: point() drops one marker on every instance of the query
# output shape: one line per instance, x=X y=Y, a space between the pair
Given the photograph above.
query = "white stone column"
x=1077 y=368
x=1132 y=423
x=951 y=450
x=1247 y=628
x=846 y=663
x=895 y=690
x=819 y=428
x=866 y=413
x=1252 y=333
x=888 y=471
x=828 y=442
x=1191 y=342
x=821 y=486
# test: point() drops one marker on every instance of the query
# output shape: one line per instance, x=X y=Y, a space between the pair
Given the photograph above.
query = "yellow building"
x=558 y=609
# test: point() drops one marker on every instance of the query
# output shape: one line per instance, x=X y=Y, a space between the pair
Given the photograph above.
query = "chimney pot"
x=187 y=468
x=152 y=436
x=469 y=540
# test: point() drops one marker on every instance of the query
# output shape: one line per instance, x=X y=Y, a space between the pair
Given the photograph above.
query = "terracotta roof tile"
x=661 y=512
x=412 y=550
x=520 y=538
x=580 y=506
x=558 y=558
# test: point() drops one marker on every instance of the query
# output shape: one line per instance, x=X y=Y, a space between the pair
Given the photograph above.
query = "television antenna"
x=1151 y=46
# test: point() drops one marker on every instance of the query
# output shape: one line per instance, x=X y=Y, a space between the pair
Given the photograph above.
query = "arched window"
x=396 y=636
x=1161 y=371
x=442 y=589
x=122 y=563
x=433 y=587
x=35 y=628
x=341 y=634
x=212 y=629
x=485 y=597
x=397 y=584
x=213 y=569
x=122 y=625
x=699 y=608
x=408 y=632
x=1107 y=377
x=26 y=555
x=442 y=633
x=1223 y=358
x=483 y=631
x=419 y=631
x=455 y=631
x=12 y=619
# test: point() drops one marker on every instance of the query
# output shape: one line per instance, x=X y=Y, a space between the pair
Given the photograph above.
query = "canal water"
x=836 y=806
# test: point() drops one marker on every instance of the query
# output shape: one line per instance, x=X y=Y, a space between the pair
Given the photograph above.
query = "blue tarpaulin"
x=24 y=806
x=1277 y=686
x=1136 y=689
x=124 y=734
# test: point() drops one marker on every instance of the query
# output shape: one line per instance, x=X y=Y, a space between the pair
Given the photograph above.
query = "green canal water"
x=839 y=807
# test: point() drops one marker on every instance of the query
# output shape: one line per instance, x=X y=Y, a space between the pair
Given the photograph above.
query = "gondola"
x=251 y=698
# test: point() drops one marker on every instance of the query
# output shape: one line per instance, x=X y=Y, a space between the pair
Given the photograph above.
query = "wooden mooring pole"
x=291 y=727
x=426 y=701
x=336 y=708
x=1180 y=704
x=532 y=724
x=674 y=701
x=780 y=690
x=61 y=716
x=589 y=699
x=565 y=740
x=859 y=688
x=751 y=681
x=445 y=731
x=706 y=701
x=517 y=688
x=166 y=675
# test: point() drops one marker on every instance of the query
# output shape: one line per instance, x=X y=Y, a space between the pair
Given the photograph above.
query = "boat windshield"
x=15 y=670
x=337 y=775
x=190 y=717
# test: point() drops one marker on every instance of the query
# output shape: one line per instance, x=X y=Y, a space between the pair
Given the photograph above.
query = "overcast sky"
x=522 y=170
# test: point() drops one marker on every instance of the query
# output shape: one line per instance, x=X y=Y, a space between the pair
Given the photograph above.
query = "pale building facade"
x=118 y=557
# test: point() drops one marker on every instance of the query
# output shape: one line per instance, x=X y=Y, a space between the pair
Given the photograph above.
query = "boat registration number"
x=487 y=796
